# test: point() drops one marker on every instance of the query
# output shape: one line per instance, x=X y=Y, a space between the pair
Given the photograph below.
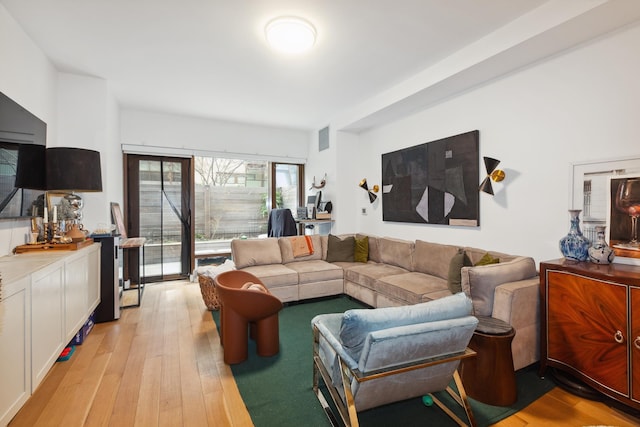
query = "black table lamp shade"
x=73 y=169
x=30 y=170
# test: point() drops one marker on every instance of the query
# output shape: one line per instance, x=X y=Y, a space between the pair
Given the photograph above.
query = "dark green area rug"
x=277 y=390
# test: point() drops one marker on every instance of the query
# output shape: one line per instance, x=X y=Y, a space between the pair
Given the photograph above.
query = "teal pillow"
x=486 y=260
x=454 y=280
x=340 y=250
x=361 y=249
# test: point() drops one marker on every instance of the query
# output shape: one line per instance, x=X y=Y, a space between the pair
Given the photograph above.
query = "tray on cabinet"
x=53 y=246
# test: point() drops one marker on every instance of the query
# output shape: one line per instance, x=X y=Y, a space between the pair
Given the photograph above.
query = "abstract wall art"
x=433 y=183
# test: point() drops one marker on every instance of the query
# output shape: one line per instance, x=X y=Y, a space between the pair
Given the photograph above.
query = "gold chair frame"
x=349 y=413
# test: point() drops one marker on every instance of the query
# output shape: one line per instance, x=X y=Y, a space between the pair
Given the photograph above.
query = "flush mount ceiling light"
x=290 y=34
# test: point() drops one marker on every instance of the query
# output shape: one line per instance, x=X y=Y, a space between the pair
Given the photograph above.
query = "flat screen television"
x=22 y=161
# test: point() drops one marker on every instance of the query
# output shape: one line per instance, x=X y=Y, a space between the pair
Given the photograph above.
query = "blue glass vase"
x=574 y=245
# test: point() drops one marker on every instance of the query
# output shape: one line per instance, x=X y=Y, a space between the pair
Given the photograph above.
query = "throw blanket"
x=301 y=245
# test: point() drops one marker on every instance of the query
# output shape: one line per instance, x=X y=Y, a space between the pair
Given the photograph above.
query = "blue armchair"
x=371 y=357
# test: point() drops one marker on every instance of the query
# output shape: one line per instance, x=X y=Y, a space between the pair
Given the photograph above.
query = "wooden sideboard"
x=590 y=325
x=46 y=298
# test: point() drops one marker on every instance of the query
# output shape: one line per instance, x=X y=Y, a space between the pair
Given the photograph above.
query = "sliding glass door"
x=159 y=209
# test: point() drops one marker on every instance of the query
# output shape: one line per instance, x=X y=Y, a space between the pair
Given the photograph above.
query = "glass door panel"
x=287 y=184
x=161 y=206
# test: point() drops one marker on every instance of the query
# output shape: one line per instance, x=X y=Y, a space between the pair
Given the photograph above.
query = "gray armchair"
x=371 y=357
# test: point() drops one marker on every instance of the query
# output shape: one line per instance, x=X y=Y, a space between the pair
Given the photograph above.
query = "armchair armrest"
x=329 y=337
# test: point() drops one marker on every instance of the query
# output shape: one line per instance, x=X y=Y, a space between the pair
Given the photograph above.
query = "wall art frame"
x=433 y=183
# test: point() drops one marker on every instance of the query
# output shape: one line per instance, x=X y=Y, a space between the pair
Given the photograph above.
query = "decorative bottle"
x=574 y=245
x=600 y=252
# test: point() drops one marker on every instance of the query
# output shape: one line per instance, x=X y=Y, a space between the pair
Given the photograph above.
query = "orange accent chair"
x=244 y=309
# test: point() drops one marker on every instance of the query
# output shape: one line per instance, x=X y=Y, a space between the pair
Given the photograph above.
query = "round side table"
x=489 y=377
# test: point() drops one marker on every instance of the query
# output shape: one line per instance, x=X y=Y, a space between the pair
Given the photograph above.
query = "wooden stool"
x=489 y=377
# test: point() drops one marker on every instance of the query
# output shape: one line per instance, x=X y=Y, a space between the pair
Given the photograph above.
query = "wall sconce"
x=493 y=174
x=375 y=189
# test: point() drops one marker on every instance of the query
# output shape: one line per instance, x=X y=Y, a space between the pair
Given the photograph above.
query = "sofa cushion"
x=454 y=279
x=475 y=254
x=374 y=247
x=367 y=274
x=487 y=259
x=357 y=323
x=433 y=258
x=396 y=252
x=286 y=249
x=315 y=271
x=480 y=282
x=411 y=287
x=340 y=249
x=250 y=252
x=274 y=275
x=361 y=249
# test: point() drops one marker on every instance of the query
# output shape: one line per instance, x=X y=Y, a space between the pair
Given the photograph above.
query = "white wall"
x=27 y=77
x=88 y=118
x=579 y=106
x=151 y=130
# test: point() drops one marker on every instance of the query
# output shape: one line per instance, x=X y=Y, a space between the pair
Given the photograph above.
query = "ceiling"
x=208 y=58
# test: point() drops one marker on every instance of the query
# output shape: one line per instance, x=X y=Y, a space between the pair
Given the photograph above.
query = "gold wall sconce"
x=374 y=189
x=493 y=174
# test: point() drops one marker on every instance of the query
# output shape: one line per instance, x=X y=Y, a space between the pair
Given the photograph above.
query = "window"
x=230 y=201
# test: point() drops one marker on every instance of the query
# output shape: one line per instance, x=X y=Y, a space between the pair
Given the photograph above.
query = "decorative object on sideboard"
x=574 y=246
x=628 y=202
x=493 y=174
x=623 y=209
x=372 y=196
x=72 y=170
x=600 y=252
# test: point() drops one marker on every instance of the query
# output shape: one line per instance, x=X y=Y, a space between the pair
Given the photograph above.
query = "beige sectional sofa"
x=399 y=272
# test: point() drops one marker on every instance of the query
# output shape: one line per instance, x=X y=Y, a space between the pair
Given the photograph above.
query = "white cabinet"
x=47 y=297
x=47 y=317
x=15 y=348
x=81 y=290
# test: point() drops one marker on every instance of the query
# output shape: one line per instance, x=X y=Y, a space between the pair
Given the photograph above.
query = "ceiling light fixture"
x=290 y=34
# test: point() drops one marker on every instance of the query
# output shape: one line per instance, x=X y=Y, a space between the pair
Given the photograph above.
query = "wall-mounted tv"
x=22 y=161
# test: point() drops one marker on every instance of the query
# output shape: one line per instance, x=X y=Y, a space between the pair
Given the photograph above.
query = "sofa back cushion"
x=480 y=282
x=250 y=252
x=340 y=248
x=433 y=258
x=358 y=323
x=374 y=246
x=396 y=252
x=286 y=249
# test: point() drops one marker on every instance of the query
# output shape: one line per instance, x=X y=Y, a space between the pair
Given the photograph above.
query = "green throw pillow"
x=486 y=260
x=340 y=250
x=459 y=260
x=361 y=249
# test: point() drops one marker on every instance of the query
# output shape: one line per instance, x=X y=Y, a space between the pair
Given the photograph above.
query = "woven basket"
x=209 y=292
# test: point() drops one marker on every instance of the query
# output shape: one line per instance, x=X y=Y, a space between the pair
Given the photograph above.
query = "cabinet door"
x=634 y=341
x=587 y=328
x=76 y=294
x=15 y=348
x=47 y=320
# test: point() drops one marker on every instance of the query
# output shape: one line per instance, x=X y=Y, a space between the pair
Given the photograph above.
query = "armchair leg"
x=461 y=399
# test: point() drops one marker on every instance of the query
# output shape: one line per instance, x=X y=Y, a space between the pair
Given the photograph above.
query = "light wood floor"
x=161 y=365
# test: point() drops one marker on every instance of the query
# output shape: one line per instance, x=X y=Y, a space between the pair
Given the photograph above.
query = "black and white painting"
x=433 y=183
